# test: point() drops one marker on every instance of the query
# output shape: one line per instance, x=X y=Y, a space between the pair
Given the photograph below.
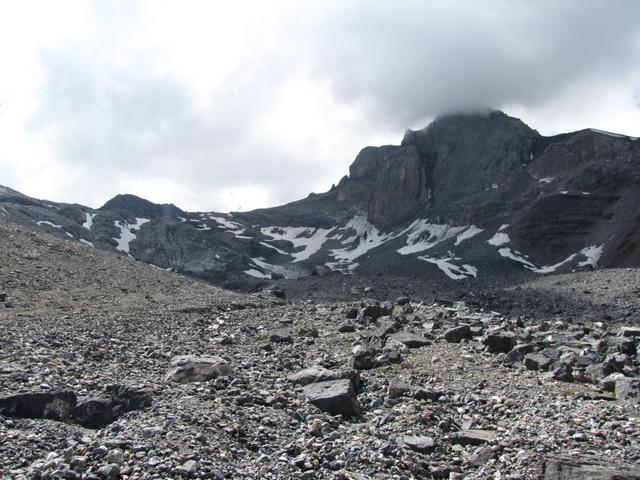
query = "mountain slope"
x=470 y=198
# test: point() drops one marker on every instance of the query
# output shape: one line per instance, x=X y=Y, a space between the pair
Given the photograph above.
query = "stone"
x=630 y=331
x=403 y=300
x=351 y=313
x=336 y=397
x=398 y=388
x=109 y=472
x=473 y=437
x=582 y=467
x=457 y=334
x=276 y=291
x=627 y=388
x=423 y=393
x=52 y=405
x=191 y=368
x=419 y=444
x=411 y=340
x=317 y=374
x=563 y=373
x=281 y=336
x=104 y=408
x=346 y=328
x=310 y=332
x=500 y=342
x=392 y=345
x=3 y=296
x=364 y=358
x=537 y=361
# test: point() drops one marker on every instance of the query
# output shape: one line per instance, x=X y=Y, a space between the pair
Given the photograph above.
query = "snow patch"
x=592 y=255
x=503 y=226
x=608 y=134
x=470 y=232
x=127 y=234
x=545 y=180
x=44 y=222
x=86 y=242
x=422 y=235
x=88 y=223
x=451 y=270
x=256 y=273
x=310 y=239
x=499 y=239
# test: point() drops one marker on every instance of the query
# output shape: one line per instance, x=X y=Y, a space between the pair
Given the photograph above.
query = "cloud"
x=252 y=104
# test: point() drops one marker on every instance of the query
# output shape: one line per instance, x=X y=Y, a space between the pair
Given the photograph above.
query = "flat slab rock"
x=336 y=397
x=190 y=368
x=419 y=444
x=411 y=340
x=580 y=467
x=317 y=374
x=473 y=437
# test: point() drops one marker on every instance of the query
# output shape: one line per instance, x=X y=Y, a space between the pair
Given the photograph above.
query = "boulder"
x=500 y=342
x=398 y=388
x=537 y=361
x=52 y=405
x=424 y=393
x=627 y=388
x=102 y=409
x=364 y=357
x=336 y=397
x=281 y=336
x=191 y=368
x=317 y=374
x=629 y=331
x=457 y=334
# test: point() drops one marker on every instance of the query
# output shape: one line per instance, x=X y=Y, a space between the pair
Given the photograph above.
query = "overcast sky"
x=238 y=105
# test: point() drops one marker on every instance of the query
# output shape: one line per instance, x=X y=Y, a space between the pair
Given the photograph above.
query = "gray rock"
x=191 y=368
x=419 y=444
x=537 y=361
x=336 y=397
x=411 y=340
x=103 y=408
x=582 y=467
x=627 y=388
x=318 y=374
x=630 y=331
x=281 y=336
x=364 y=357
x=398 y=388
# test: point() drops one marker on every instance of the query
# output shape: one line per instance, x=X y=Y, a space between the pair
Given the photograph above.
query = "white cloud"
x=216 y=106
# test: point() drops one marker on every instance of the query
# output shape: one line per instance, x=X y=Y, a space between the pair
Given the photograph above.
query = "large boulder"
x=411 y=340
x=103 y=408
x=317 y=374
x=52 y=405
x=191 y=368
x=336 y=397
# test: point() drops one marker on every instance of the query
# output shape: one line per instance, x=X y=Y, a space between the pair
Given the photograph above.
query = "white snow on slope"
x=499 y=239
x=127 y=234
x=44 y=222
x=365 y=238
x=88 y=223
x=256 y=273
x=470 y=232
x=265 y=244
x=86 y=242
x=234 y=227
x=503 y=226
x=308 y=238
x=422 y=235
x=609 y=134
x=545 y=180
x=451 y=270
x=592 y=255
x=284 y=270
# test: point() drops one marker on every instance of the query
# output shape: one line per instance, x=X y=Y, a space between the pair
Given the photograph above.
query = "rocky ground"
x=480 y=384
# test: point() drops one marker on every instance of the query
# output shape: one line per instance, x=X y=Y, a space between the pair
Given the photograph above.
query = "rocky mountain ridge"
x=471 y=198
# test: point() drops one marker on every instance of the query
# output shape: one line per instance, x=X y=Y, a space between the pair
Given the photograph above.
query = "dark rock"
x=346 y=328
x=281 y=336
x=402 y=300
x=336 y=397
x=52 y=405
x=630 y=331
x=457 y=334
x=563 y=373
x=351 y=313
x=374 y=311
x=423 y=393
x=364 y=357
x=310 y=332
x=537 y=361
x=411 y=340
x=3 y=296
x=276 y=291
x=500 y=342
x=481 y=456
x=102 y=409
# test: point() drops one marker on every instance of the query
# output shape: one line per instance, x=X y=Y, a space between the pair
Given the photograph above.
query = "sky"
x=215 y=105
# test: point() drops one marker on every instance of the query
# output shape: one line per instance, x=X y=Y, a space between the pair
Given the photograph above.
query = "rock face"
x=190 y=368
